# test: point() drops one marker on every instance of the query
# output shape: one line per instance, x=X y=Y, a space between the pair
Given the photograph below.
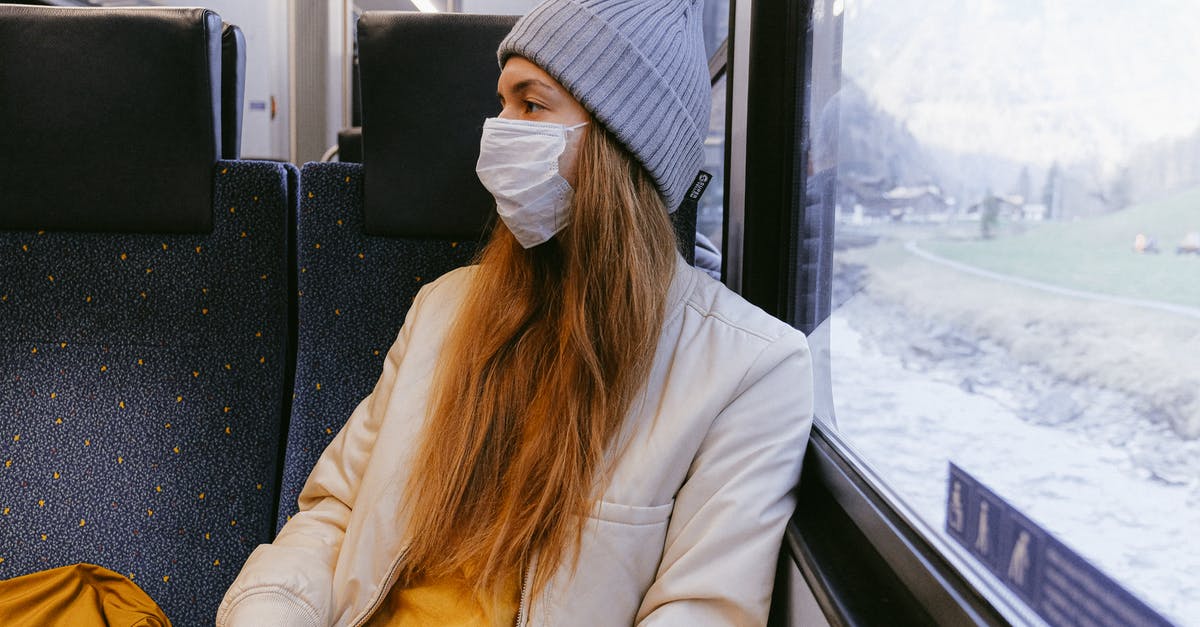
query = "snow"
x=908 y=422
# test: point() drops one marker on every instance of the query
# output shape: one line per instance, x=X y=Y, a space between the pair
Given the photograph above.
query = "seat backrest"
x=142 y=368
x=233 y=89
x=370 y=235
x=354 y=291
x=141 y=392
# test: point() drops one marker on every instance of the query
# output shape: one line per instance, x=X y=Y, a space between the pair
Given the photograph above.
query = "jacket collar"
x=681 y=286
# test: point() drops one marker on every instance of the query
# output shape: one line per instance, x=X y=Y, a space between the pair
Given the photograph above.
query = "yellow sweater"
x=446 y=603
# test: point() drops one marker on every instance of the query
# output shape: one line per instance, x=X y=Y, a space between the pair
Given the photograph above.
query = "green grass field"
x=1097 y=254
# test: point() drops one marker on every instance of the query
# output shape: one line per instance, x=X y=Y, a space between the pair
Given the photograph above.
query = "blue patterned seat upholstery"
x=141 y=394
x=354 y=291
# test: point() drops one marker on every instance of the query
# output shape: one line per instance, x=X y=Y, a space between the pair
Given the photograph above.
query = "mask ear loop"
x=570 y=141
x=570 y=136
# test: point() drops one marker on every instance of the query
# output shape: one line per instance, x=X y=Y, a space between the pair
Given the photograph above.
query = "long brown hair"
x=547 y=353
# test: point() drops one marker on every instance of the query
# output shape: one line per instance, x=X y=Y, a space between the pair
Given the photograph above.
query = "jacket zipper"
x=383 y=592
x=523 y=607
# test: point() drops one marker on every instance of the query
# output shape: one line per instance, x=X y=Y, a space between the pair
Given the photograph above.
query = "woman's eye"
x=532 y=107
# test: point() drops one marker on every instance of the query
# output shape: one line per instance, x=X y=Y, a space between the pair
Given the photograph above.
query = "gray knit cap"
x=638 y=66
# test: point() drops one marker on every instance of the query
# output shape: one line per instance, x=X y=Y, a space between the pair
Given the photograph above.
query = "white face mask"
x=518 y=164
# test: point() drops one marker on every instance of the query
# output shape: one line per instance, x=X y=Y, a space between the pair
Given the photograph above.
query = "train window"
x=716 y=25
x=710 y=215
x=1016 y=189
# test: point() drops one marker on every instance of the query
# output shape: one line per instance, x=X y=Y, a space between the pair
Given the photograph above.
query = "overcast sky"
x=1032 y=80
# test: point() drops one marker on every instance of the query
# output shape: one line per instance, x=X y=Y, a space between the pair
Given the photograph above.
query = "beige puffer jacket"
x=687 y=532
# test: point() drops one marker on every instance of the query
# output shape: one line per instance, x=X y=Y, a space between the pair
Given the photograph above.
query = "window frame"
x=850 y=528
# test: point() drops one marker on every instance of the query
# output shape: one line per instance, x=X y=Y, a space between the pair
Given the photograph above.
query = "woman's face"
x=527 y=92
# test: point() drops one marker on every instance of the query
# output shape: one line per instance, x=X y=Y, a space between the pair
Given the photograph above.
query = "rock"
x=1182 y=411
x=953 y=345
x=1056 y=407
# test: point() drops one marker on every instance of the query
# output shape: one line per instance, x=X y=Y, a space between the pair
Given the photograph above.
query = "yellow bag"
x=79 y=595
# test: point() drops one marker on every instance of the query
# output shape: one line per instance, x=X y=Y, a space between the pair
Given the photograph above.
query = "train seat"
x=144 y=301
x=370 y=235
x=350 y=145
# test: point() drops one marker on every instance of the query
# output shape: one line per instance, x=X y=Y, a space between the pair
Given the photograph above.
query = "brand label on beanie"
x=698 y=186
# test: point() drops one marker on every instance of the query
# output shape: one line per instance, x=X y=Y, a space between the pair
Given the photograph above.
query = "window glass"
x=1016 y=188
x=710 y=215
x=716 y=25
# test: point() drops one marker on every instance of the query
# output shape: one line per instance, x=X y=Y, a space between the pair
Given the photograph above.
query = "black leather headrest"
x=428 y=82
x=110 y=119
x=233 y=89
x=350 y=145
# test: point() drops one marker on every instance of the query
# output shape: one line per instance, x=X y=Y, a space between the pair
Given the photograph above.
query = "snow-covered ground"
x=1118 y=487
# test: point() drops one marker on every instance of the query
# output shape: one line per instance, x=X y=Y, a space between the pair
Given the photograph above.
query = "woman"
x=581 y=429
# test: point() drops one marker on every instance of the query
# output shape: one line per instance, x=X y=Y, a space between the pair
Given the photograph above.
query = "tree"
x=1024 y=186
x=989 y=215
x=1050 y=191
x=1120 y=191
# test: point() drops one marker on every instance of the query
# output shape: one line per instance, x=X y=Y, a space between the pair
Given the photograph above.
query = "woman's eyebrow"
x=528 y=83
